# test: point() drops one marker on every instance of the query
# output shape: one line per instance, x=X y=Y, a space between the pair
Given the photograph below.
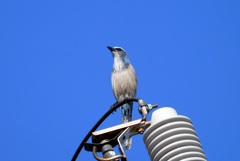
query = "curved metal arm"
x=112 y=108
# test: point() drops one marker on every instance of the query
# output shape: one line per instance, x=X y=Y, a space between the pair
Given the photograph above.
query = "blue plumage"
x=124 y=84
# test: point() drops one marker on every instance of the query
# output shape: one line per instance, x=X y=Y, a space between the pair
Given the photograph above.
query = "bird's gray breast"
x=124 y=83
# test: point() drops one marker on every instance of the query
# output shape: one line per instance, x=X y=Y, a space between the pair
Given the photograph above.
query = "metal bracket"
x=115 y=135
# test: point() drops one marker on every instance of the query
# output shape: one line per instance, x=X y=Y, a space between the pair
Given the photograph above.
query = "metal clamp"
x=115 y=135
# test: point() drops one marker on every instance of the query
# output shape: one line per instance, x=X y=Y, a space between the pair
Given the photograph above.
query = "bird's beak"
x=110 y=48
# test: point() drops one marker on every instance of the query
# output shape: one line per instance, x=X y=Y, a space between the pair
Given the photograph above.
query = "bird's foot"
x=111 y=108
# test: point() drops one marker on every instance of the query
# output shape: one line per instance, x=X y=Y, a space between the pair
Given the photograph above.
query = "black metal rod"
x=114 y=107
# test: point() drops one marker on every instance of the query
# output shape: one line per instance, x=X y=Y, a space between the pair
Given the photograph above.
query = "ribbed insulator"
x=172 y=137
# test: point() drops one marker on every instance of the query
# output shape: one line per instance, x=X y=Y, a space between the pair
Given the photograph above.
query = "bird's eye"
x=118 y=49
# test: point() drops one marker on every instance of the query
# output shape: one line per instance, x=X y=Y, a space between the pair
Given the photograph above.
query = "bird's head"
x=119 y=54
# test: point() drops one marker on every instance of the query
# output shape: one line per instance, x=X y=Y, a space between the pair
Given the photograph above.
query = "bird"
x=124 y=84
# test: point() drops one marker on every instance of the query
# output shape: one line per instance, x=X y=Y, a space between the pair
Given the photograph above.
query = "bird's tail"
x=126 y=111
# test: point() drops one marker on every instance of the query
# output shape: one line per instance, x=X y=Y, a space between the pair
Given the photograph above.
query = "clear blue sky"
x=55 y=71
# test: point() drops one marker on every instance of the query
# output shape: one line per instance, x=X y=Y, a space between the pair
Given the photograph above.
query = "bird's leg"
x=126 y=98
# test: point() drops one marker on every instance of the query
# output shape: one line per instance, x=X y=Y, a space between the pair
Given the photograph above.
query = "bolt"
x=140 y=130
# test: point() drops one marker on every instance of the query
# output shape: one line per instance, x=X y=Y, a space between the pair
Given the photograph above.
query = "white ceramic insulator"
x=172 y=137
